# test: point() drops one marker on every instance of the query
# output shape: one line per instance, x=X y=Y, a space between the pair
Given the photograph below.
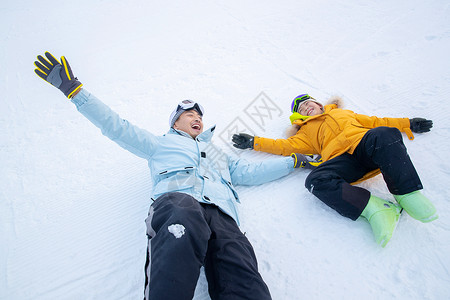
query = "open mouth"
x=196 y=126
x=310 y=112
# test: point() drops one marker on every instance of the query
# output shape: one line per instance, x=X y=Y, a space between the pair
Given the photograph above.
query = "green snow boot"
x=417 y=206
x=383 y=217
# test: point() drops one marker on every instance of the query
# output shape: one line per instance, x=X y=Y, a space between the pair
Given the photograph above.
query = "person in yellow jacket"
x=353 y=147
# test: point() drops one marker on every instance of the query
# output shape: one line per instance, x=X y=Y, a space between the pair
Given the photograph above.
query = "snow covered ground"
x=73 y=203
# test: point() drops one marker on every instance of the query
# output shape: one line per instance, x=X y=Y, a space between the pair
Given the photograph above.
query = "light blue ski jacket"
x=179 y=163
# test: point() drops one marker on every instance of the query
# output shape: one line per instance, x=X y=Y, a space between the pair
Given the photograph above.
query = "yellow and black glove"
x=306 y=161
x=57 y=73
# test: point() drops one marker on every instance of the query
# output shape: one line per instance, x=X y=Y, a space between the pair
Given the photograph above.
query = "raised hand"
x=58 y=74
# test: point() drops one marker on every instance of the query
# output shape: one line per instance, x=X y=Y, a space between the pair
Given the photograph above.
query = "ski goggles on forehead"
x=182 y=107
x=299 y=100
x=189 y=104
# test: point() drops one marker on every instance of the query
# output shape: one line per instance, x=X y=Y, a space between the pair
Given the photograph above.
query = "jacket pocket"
x=178 y=179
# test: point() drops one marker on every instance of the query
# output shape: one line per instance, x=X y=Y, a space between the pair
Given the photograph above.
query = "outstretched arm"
x=130 y=137
x=295 y=144
x=408 y=126
x=253 y=173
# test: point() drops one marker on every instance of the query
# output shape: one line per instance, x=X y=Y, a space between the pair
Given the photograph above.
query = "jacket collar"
x=205 y=136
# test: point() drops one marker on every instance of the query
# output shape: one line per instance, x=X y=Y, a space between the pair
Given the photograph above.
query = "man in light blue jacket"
x=193 y=220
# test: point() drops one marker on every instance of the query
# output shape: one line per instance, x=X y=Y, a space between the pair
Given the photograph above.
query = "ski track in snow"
x=73 y=203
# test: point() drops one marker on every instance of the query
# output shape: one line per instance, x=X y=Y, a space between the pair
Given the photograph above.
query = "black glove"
x=306 y=161
x=57 y=74
x=243 y=141
x=420 y=125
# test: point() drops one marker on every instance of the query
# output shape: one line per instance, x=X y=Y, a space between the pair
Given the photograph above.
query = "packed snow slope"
x=73 y=203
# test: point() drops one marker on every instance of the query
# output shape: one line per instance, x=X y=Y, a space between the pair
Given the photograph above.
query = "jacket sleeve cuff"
x=257 y=143
x=81 y=98
x=290 y=162
x=407 y=129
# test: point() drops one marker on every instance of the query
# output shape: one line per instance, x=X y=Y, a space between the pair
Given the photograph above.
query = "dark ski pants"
x=211 y=239
x=381 y=147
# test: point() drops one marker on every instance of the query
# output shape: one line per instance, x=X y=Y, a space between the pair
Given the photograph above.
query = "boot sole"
x=430 y=219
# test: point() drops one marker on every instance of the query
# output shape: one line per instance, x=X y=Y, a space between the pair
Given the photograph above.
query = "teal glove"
x=57 y=74
x=306 y=161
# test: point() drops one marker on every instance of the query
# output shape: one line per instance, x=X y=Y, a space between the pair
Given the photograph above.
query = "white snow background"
x=73 y=203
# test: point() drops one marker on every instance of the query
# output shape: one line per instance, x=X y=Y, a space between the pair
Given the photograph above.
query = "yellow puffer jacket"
x=330 y=134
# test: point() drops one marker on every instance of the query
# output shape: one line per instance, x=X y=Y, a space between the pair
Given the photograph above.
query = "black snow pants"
x=381 y=147
x=185 y=235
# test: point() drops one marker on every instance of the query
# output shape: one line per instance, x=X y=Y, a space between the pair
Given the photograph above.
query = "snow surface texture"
x=73 y=203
